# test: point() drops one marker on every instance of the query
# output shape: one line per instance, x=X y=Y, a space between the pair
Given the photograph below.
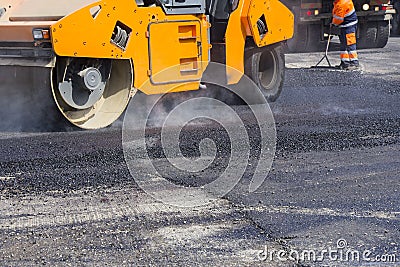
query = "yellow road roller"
x=85 y=59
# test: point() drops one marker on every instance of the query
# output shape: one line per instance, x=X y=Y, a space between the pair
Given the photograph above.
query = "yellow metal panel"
x=279 y=19
x=243 y=22
x=181 y=47
x=81 y=35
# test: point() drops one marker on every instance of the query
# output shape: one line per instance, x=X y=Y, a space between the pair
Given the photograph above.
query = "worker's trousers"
x=348 y=46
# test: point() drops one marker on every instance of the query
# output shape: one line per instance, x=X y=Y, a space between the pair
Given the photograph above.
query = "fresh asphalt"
x=68 y=199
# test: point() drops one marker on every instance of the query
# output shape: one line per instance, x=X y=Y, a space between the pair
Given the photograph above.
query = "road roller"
x=81 y=61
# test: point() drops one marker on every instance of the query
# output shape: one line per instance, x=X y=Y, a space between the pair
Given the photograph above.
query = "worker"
x=344 y=17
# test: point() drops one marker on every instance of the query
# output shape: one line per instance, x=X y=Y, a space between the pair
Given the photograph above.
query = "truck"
x=87 y=58
x=313 y=18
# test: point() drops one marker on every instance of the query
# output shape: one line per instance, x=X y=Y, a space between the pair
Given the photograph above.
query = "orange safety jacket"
x=344 y=14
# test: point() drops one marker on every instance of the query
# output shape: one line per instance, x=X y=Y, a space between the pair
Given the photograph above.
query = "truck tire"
x=314 y=41
x=382 y=35
x=396 y=20
x=306 y=38
x=266 y=67
x=297 y=43
x=395 y=31
x=367 y=35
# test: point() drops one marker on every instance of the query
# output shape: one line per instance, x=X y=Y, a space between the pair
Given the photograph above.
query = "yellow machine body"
x=159 y=41
x=96 y=54
x=243 y=23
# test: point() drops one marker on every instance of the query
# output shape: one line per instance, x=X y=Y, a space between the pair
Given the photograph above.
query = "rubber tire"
x=395 y=31
x=382 y=36
x=314 y=43
x=297 y=43
x=368 y=35
x=259 y=60
x=306 y=38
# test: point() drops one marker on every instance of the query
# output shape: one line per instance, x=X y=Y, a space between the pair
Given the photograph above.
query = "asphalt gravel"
x=68 y=198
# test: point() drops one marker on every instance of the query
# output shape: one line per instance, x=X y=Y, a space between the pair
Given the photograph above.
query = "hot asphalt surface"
x=68 y=199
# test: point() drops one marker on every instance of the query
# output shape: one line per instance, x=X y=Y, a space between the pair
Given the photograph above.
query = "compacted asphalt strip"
x=68 y=198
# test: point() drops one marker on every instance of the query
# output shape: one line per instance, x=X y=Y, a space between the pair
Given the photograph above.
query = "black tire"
x=297 y=43
x=382 y=36
x=314 y=41
x=306 y=38
x=395 y=31
x=266 y=67
x=367 y=35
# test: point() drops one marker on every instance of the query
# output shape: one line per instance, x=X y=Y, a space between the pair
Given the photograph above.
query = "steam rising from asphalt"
x=27 y=104
x=153 y=135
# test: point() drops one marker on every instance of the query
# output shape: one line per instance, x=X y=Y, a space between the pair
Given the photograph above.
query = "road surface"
x=68 y=198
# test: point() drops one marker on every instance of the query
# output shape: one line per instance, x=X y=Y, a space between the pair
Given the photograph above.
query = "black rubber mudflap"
x=26 y=100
